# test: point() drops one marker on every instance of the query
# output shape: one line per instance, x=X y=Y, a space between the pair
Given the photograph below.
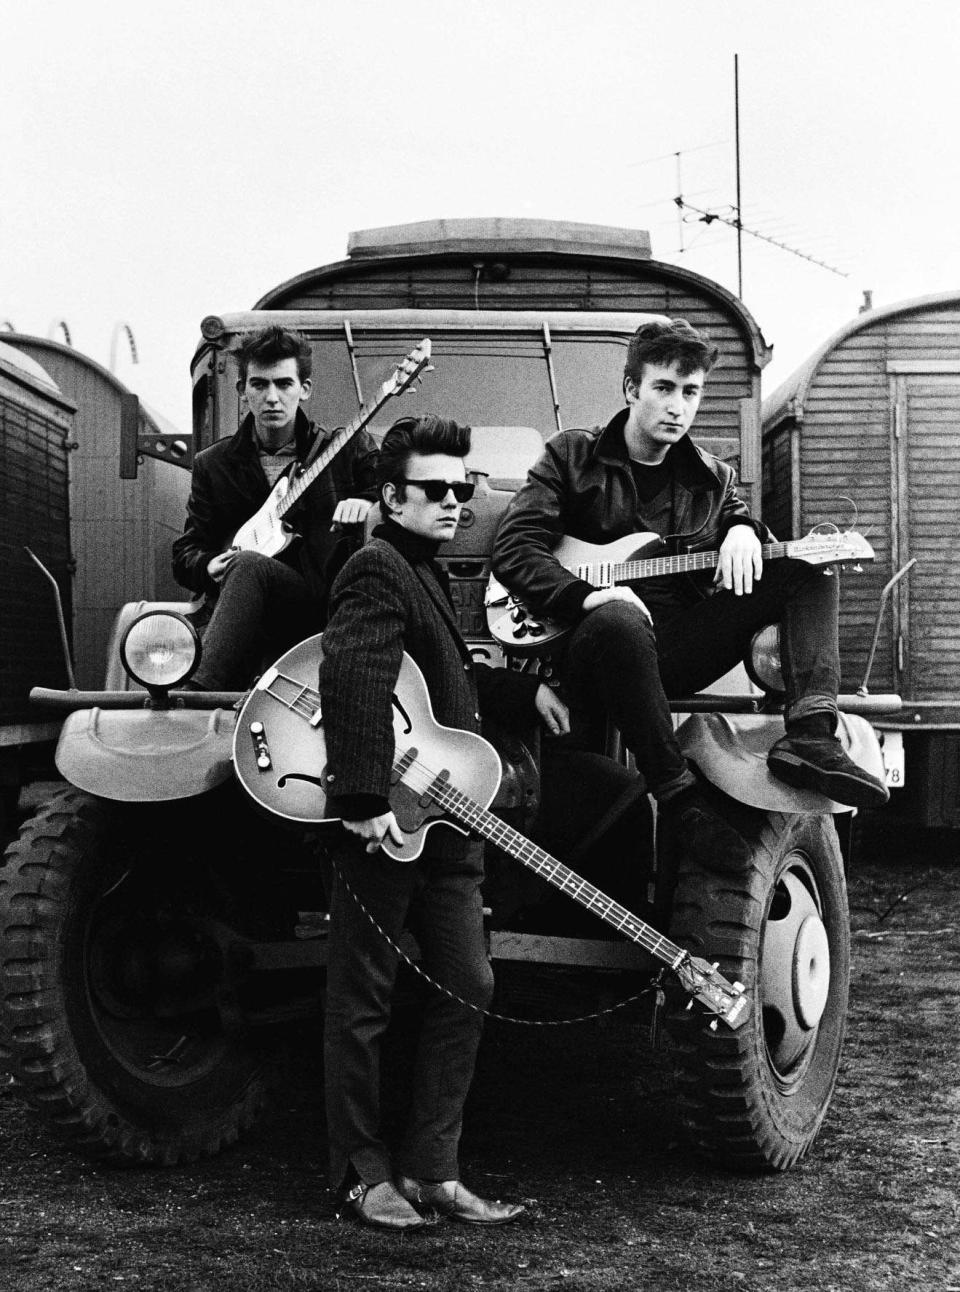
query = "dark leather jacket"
x=582 y=486
x=229 y=485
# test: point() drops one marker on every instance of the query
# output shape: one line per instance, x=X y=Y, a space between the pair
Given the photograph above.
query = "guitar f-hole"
x=403 y=714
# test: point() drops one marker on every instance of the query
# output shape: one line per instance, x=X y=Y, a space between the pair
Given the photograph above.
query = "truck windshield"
x=479 y=378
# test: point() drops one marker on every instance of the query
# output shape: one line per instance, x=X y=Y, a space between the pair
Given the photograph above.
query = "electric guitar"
x=440 y=774
x=630 y=558
x=267 y=532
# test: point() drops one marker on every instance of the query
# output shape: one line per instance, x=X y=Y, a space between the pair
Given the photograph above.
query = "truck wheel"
x=110 y=1012
x=755 y=1098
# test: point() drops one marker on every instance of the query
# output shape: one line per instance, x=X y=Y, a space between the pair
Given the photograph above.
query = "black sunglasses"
x=437 y=490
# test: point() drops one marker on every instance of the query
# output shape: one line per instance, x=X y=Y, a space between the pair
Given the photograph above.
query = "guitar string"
x=575 y=886
x=679 y=564
x=301 y=704
x=340 y=438
x=464 y=808
x=654 y=985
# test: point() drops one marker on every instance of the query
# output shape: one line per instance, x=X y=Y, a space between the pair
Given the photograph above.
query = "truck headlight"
x=160 y=649
x=763 y=660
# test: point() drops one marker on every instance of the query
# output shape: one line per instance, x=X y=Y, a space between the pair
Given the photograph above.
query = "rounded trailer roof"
x=790 y=397
x=515 y=237
x=11 y=357
x=160 y=424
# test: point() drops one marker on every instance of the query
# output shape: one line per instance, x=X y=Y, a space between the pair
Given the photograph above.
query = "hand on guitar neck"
x=612 y=566
x=441 y=775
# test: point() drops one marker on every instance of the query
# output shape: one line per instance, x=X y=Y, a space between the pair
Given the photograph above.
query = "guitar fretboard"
x=604 y=574
x=333 y=446
x=468 y=812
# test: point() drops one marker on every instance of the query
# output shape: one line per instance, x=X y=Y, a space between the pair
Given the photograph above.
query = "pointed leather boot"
x=453 y=1199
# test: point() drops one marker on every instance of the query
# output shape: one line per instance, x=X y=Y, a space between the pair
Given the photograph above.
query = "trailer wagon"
x=123 y=512
x=873 y=416
x=36 y=425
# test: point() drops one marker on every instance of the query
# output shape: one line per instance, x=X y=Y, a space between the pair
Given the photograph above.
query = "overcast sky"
x=163 y=160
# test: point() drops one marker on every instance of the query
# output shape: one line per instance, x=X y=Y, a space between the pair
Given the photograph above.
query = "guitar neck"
x=490 y=827
x=302 y=482
x=652 y=567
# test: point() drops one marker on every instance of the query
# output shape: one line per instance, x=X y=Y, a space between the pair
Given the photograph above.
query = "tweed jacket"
x=387 y=599
x=229 y=485
x=582 y=486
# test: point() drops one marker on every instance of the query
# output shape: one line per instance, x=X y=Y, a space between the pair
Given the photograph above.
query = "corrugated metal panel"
x=932 y=436
x=117 y=525
x=568 y=283
x=33 y=510
x=776 y=484
x=905 y=490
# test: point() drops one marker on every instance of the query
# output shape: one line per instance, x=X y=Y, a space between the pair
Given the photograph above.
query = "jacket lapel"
x=435 y=592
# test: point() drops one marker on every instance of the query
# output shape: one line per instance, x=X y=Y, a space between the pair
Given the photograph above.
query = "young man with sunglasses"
x=633 y=647
x=391 y=597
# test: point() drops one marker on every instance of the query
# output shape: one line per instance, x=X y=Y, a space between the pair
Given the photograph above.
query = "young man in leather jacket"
x=633 y=647
x=262 y=605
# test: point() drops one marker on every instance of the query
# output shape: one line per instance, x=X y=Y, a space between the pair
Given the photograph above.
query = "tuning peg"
x=429 y=368
x=689 y=1005
x=828 y=571
x=857 y=569
x=713 y=1026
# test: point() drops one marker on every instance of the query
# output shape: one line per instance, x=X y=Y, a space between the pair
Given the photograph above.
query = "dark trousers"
x=263 y=609
x=618 y=665
x=443 y=894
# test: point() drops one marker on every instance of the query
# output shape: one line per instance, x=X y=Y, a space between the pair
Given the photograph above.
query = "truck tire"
x=754 y=1099
x=109 y=1019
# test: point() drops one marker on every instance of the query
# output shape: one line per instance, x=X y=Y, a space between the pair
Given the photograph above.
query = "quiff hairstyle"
x=410 y=435
x=665 y=344
x=272 y=345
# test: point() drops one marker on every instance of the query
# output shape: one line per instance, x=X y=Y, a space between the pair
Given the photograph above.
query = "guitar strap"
x=653 y=985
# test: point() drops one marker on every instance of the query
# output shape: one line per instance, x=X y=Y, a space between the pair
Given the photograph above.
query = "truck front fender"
x=731 y=752
x=146 y=755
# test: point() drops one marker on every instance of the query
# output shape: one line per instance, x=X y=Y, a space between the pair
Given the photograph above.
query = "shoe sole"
x=838 y=786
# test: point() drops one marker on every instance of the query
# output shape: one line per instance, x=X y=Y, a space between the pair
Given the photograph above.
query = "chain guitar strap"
x=655 y=983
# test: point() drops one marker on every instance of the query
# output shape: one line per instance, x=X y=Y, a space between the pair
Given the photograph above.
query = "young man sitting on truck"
x=631 y=648
x=262 y=605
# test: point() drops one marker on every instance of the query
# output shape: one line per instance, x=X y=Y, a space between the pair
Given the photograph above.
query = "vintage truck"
x=155 y=925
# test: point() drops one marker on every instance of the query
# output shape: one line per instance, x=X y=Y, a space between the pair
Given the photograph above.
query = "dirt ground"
x=579 y=1122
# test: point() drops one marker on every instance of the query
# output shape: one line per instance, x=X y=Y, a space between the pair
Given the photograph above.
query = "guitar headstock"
x=407 y=371
x=705 y=983
x=827 y=545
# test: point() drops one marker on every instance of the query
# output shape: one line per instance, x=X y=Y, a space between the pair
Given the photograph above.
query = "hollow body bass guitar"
x=633 y=557
x=440 y=774
x=268 y=532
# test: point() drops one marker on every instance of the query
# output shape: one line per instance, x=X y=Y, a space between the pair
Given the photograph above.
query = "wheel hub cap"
x=794 y=973
x=811 y=971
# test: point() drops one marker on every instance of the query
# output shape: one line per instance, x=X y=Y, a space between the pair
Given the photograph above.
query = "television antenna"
x=734 y=220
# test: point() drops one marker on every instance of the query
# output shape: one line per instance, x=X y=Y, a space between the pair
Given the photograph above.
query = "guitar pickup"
x=261 y=749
